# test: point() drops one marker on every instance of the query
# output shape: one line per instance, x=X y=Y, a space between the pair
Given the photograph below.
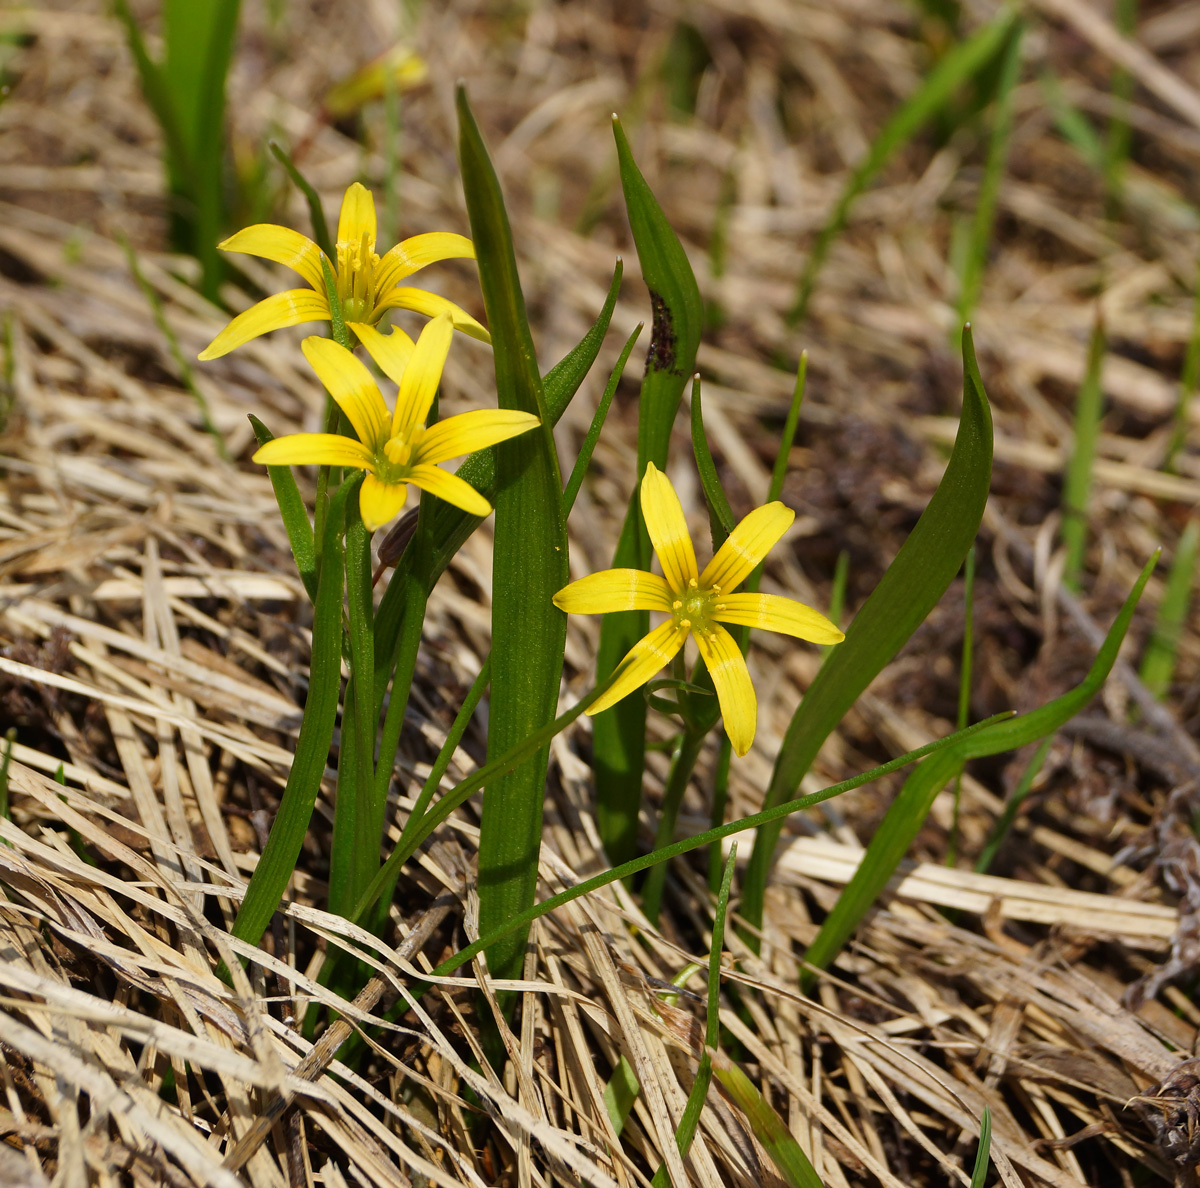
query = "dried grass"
x=153 y=634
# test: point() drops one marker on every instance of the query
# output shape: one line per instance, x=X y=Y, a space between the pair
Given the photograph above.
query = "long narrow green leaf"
x=293 y=513
x=1089 y=407
x=961 y=63
x=619 y=733
x=579 y=470
x=908 y=811
x=720 y=514
x=907 y=592
x=1189 y=381
x=278 y=860
x=979 y=1174
x=1012 y=806
x=529 y=566
x=316 y=209
x=620 y=1092
x=1158 y=664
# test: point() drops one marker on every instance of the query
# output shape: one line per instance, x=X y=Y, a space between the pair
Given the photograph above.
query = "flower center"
x=398 y=456
x=356 y=263
x=694 y=607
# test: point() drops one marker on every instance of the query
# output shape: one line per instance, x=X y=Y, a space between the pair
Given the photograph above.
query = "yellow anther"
x=692 y=583
x=677 y=605
x=716 y=589
x=685 y=623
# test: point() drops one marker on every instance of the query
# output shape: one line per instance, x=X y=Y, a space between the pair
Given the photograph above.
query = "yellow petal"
x=284 y=246
x=746 y=546
x=419 y=384
x=471 y=431
x=668 y=529
x=273 y=313
x=391 y=351
x=614 y=590
x=412 y=254
x=314 y=449
x=729 y=673
x=350 y=383
x=645 y=658
x=774 y=613
x=450 y=488
x=430 y=304
x=379 y=503
x=358 y=215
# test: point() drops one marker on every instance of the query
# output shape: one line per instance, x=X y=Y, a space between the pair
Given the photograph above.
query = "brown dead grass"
x=153 y=632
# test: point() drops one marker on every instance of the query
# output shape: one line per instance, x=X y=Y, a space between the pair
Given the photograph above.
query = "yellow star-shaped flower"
x=367 y=284
x=395 y=449
x=698 y=603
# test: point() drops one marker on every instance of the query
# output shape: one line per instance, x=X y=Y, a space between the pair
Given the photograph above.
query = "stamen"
x=677 y=605
x=685 y=623
x=693 y=584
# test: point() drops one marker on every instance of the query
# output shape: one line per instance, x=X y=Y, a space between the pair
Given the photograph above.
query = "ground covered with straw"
x=154 y=634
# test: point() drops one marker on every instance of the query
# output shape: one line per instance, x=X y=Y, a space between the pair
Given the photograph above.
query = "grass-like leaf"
x=619 y=733
x=982 y=1155
x=720 y=514
x=316 y=209
x=279 y=855
x=963 y=62
x=1189 y=381
x=293 y=513
x=907 y=592
x=908 y=811
x=1158 y=664
x=529 y=566
x=1004 y=822
x=1078 y=485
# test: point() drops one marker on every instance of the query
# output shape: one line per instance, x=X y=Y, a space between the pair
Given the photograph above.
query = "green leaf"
x=274 y=869
x=1158 y=664
x=316 y=209
x=293 y=513
x=620 y=1093
x=720 y=514
x=562 y=381
x=1089 y=408
x=579 y=470
x=966 y=60
x=529 y=566
x=979 y=1174
x=619 y=733
x=908 y=811
x=907 y=592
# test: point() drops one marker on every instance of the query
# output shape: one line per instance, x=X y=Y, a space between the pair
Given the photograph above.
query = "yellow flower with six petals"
x=395 y=449
x=367 y=284
x=698 y=603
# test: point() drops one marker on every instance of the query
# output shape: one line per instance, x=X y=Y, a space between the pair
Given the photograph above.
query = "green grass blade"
x=964 y=689
x=293 y=513
x=1189 y=381
x=10 y=737
x=694 y=1107
x=1162 y=652
x=529 y=566
x=790 y=425
x=1073 y=126
x=1078 y=485
x=620 y=1093
x=964 y=61
x=278 y=860
x=720 y=514
x=579 y=470
x=1120 y=133
x=918 y=577
x=982 y=1156
x=768 y=1127
x=1004 y=822
x=908 y=811
x=316 y=209
x=993 y=172
x=837 y=594
x=562 y=381
x=720 y=800
x=619 y=733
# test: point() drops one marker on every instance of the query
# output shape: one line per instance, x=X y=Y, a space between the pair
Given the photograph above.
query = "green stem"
x=683 y=763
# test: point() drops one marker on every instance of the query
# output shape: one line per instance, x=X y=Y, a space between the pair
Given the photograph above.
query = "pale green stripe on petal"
x=353 y=387
x=314 y=449
x=357 y=216
x=746 y=546
x=450 y=488
x=614 y=590
x=650 y=654
x=379 y=503
x=727 y=667
x=431 y=305
x=289 y=308
x=774 y=613
x=284 y=246
x=391 y=351
x=421 y=377
x=471 y=431
x=410 y=255
x=668 y=529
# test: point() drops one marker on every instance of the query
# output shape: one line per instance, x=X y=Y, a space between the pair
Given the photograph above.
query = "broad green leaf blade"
x=316 y=209
x=278 y=860
x=964 y=61
x=908 y=811
x=767 y=1125
x=926 y=564
x=619 y=733
x=292 y=512
x=579 y=470
x=529 y=566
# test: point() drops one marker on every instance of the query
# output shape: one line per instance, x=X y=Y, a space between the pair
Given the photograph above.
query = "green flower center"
x=356 y=263
x=398 y=456
x=693 y=608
